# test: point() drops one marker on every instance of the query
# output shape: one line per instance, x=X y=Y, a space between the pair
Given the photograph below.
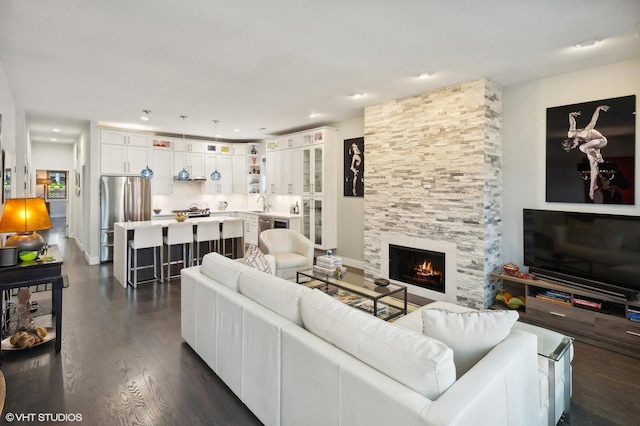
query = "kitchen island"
x=123 y=232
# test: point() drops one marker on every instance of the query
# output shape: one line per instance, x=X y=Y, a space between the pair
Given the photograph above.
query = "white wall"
x=350 y=209
x=524 y=127
x=8 y=111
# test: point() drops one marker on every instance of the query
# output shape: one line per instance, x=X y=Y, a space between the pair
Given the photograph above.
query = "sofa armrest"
x=501 y=389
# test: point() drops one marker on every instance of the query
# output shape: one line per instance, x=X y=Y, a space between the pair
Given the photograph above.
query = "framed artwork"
x=590 y=154
x=354 y=167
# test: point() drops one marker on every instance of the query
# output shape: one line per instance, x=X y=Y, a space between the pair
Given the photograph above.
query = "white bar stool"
x=149 y=236
x=232 y=229
x=179 y=233
x=209 y=232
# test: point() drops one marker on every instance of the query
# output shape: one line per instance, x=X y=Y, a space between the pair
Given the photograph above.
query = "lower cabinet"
x=585 y=314
x=250 y=228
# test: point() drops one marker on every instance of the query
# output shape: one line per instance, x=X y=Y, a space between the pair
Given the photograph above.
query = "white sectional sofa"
x=295 y=356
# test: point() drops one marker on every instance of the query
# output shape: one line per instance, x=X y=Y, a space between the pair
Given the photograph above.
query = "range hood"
x=191 y=179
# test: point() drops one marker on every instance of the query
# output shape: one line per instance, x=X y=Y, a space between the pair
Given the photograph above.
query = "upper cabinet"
x=128 y=153
x=188 y=145
x=117 y=137
x=123 y=153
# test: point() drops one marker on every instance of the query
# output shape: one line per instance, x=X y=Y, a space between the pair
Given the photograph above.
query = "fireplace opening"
x=419 y=267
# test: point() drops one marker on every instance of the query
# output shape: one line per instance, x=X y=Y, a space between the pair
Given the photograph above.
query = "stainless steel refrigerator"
x=122 y=199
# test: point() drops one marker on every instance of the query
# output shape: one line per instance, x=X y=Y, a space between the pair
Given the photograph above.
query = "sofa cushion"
x=276 y=294
x=418 y=362
x=222 y=269
x=255 y=259
x=471 y=335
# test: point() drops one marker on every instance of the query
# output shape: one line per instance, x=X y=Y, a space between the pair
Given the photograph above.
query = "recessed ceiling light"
x=587 y=43
x=425 y=75
x=55 y=130
x=54 y=140
x=314 y=115
x=357 y=95
x=236 y=130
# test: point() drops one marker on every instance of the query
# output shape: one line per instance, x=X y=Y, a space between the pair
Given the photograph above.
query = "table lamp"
x=24 y=216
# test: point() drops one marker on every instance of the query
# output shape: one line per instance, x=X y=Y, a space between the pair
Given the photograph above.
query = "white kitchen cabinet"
x=292 y=171
x=224 y=165
x=239 y=181
x=275 y=172
x=189 y=145
x=317 y=223
x=313 y=170
x=193 y=162
x=250 y=227
x=162 y=166
x=123 y=153
x=119 y=137
x=123 y=159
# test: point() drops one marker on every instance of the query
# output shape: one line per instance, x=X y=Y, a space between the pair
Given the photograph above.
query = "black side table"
x=26 y=274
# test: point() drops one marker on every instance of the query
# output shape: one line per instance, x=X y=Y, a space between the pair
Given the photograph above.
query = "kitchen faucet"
x=264 y=203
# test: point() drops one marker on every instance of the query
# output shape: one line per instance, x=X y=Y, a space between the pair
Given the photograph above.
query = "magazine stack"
x=327 y=265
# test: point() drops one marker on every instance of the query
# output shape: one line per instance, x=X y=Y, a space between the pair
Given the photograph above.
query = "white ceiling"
x=263 y=66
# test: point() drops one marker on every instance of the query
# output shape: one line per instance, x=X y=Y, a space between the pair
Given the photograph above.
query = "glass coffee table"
x=386 y=302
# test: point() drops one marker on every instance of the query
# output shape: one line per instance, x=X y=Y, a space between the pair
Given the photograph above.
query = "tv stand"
x=554 y=305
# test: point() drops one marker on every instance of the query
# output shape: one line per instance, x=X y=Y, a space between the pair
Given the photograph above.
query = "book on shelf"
x=553 y=300
x=367 y=305
x=633 y=316
x=634 y=309
x=588 y=303
x=558 y=295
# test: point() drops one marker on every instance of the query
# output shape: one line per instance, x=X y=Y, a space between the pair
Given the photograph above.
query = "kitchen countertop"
x=214 y=213
x=166 y=222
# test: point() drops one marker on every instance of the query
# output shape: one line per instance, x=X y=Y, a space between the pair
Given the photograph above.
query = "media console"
x=588 y=314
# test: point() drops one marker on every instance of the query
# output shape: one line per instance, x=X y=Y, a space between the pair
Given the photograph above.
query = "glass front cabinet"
x=312 y=220
x=313 y=170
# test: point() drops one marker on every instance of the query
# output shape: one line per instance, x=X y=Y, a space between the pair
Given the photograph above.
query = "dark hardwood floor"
x=123 y=362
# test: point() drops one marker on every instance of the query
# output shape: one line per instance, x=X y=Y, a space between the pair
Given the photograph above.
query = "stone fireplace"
x=433 y=174
x=427 y=267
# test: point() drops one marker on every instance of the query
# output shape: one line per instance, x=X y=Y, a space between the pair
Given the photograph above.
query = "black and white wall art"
x=591 y=152
x=354 y=167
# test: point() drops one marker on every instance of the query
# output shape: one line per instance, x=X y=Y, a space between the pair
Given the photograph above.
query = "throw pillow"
x=471 y=335
x=255 y=258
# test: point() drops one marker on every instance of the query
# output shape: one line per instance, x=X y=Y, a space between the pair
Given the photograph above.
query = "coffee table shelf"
x=393 y=297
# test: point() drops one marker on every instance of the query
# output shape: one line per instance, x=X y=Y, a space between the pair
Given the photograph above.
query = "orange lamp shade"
x=24 y=215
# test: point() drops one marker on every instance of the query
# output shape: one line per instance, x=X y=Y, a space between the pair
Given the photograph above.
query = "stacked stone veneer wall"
x=432 y=171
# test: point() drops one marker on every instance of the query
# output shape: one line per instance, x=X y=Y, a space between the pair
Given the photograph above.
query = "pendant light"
x=146 y=173
x=183 y=174
x=216 y=174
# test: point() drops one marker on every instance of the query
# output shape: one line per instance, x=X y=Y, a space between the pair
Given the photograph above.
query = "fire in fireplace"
x=419 y=267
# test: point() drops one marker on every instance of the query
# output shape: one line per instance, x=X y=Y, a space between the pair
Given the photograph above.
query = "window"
x=57 y=188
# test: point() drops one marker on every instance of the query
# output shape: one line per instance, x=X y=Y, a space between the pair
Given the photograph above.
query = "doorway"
x=52 y=185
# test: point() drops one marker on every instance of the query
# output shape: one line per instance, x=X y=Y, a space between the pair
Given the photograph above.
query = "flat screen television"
x=600 y=252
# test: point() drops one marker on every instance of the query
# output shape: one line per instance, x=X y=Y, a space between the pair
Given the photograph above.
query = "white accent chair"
x=179 y=233
x=206 y=232
x=292 y=250
x=144 y=237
